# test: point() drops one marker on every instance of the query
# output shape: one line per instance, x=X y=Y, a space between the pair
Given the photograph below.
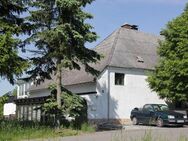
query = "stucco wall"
x=97 y=103
x=9 y=109
x=39 y=93
x=134 y=93
x=82 y=88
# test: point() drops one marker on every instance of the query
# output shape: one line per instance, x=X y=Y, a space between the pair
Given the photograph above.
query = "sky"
x=150 y=15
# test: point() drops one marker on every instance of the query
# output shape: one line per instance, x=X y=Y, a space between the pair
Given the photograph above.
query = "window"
x=119 y=78
x=21 y=90
x=148 y=108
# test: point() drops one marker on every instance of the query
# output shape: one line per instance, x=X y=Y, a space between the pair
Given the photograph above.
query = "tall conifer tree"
x=11 y=25
x=60 y=39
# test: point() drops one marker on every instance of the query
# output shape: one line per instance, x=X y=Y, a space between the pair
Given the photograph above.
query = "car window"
x=148 y=108
x=164 y=108
x=160 y=107
x=156 y=108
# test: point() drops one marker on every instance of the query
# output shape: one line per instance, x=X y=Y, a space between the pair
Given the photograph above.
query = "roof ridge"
x=113 y=47
x=97 y=46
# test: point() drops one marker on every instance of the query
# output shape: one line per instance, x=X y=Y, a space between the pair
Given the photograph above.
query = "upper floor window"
x=21 y=90
x=119 y=78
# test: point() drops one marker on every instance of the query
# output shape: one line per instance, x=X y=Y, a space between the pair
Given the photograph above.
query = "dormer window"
x=139 y=59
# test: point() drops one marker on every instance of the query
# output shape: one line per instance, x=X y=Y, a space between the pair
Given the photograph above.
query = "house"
x=128 y=57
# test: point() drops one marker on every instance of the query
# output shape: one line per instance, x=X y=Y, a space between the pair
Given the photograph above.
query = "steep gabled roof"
x=131 y=45
x=124 y=48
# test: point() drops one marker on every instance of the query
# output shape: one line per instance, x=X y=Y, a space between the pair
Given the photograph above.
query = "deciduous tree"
x=170 y=78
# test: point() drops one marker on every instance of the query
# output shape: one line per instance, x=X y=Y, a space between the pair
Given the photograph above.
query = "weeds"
x=16 y=131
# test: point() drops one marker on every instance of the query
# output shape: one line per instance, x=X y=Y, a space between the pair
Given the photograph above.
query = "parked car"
x=157 y=114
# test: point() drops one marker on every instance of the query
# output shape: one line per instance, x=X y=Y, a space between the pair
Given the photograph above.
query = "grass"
x=16 y=131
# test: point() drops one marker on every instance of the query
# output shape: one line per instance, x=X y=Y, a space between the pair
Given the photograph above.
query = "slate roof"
x=123 y=48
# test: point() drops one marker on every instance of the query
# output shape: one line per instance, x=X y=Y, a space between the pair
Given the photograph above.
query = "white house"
x=128 y=57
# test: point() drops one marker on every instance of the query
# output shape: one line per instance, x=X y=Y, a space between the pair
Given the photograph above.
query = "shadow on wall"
x=101 y=107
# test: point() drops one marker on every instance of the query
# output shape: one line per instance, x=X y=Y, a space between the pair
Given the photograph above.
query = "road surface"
x=132 y=133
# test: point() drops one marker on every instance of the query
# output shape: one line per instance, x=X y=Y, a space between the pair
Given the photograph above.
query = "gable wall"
x=134 y=93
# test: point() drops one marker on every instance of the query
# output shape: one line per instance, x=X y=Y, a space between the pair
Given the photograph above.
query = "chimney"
x=129 y=26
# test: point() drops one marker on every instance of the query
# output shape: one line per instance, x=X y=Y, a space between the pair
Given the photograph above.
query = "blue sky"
x=150 y=15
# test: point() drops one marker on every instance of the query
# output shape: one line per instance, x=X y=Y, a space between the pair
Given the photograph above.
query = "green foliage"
x=16 y=131
x=87 y=127
x=170 y=78
x=11 y=24
x=50 y=106
x=3 y=100
x=72 y=105
x=14 y=92
x=60 y=35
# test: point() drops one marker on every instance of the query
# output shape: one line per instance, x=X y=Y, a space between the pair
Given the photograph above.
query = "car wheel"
x=135 y=121
x=160 y=122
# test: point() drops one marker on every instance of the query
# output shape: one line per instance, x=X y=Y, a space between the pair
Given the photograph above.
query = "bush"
x=87 y=127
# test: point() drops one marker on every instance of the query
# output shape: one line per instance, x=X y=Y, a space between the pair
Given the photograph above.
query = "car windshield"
x=160 y=107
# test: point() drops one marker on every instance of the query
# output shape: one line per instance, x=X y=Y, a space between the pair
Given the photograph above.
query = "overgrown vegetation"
x=16 y=131
x=73 y=108
x=3 y=100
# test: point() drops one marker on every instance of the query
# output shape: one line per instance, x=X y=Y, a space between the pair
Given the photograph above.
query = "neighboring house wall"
x=22 y=88
x=134 y=93
x=29 y=108
x=39 y=93
x=82 y=88
x=9 y=109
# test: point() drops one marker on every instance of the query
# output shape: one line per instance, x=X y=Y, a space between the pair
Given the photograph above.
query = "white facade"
x=105 y=100
x=134 y=93
x=116 y=101
x=9 y=109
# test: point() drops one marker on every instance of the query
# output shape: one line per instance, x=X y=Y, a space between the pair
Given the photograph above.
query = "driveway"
x=132 y=133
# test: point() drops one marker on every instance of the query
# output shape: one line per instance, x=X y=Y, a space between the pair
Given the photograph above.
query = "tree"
x=73 y=106
x=60 y=36
x=3 y=100
x=170 y=78
x=11 y=25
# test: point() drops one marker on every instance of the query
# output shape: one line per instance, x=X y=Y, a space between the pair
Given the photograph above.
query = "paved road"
x=132 y=133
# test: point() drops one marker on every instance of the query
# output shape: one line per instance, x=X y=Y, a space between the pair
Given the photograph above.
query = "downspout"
x=108 y=96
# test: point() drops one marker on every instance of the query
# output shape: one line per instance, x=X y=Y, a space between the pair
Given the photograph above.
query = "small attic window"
x=139 y=59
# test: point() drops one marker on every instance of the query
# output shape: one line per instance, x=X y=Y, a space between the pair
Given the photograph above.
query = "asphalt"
x=132 y=133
